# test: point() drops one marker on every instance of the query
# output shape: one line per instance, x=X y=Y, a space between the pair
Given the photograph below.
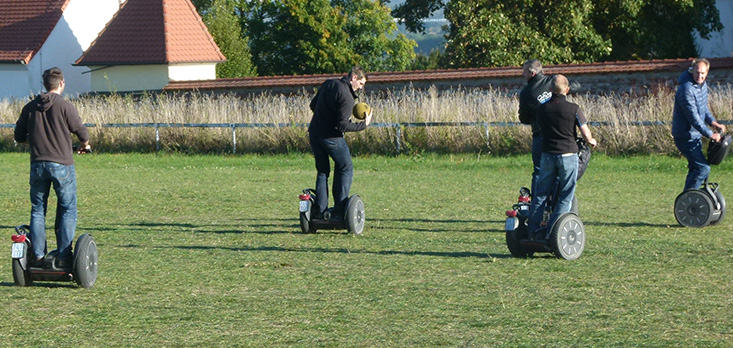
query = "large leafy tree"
x=646 y=29
x=322 y=36
x=497 y=33
x=224 y=26
x=504 y=32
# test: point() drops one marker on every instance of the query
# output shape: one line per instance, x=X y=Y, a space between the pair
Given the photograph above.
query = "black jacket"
x=47 y=123
x=558 y=119
x=332 y=107
x=535 y=93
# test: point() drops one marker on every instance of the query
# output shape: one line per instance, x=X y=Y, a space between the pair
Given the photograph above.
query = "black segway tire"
x=355 y=216
x=21 y=277
x=693 y=208
x=721 y=201
x=305 y=224
x=86 y=258
x=567 y=238
x=512 y=243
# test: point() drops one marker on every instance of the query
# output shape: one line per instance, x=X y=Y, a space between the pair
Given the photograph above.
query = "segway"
x=565 y=238
x=705 y=205
x=83 y=269
x=353 y=221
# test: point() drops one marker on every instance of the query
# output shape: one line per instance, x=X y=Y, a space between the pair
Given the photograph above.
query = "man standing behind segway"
x=558 y=120
x=690 y=119
x=535 y=93
x=332 y=107
x=46 y=123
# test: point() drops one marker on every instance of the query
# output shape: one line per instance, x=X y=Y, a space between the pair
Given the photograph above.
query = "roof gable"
x=153 y=32
x=25 y=25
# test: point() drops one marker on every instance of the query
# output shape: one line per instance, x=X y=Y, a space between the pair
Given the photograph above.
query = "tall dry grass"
x=618 y=135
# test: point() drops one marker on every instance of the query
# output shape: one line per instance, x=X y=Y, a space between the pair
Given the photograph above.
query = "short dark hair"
x=358 y=72
x=533 y=65
x=52 y=78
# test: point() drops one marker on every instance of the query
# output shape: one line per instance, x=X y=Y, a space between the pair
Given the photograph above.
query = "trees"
x=316 y=36
x=322 y=36
x=645 y=29
x=224 y=27
x=505 y=32
x=497 y=33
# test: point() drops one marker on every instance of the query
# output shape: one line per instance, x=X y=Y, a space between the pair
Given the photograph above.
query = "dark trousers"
x=536 y=161
x=697 y=165
x=343 y=172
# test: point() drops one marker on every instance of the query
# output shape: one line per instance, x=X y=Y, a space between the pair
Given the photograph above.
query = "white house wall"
x=129 y=78
x=79 y=25
x=191 y=72
x=14 y=78
x=720 y=43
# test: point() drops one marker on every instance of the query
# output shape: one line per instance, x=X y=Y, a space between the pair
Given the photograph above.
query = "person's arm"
x=76 y=126
x=525 y=110
x=584 y=129
x=345 y=106
x=20 y=135
x=585 y=132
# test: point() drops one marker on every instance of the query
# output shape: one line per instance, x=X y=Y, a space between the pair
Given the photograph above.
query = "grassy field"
x=204 y=251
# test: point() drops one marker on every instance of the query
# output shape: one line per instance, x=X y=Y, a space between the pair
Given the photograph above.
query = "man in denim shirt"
x=47 y=123
x=690 y=121
x=332 y=107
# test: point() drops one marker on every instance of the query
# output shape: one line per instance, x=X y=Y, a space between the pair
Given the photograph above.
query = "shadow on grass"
x=628 y=224
x=285 y=226
x=42 y=285
x=325 y=250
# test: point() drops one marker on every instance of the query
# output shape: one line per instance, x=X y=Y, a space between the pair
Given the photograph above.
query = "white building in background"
x=36 y=35
x=720 y=43
x=103 y=45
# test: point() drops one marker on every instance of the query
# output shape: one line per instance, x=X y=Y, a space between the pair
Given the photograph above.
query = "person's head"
x=560 y=84
x=531 y=68
x=357 y=77
x=53 y=80
x=699 y=70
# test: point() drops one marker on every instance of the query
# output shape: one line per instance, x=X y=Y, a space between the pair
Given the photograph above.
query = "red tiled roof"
x=25 y=25
x=442 y=75
x=153 y=32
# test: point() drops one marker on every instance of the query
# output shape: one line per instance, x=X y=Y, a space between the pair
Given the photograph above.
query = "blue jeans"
x=63 y=178
x=558 y=176
x=697 y=165
x=343 y=173
x=536 y=160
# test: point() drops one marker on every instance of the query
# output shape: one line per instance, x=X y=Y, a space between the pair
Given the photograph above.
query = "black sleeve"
x=525 y=111
x=21 y=126
x=76 y=126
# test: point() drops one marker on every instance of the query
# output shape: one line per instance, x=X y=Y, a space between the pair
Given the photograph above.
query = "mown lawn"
x=204 y=251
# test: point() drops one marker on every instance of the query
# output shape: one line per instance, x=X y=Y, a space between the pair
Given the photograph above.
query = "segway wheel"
x=355 y=217
x=85 y=261
x=305 y=225
x=20 y=276
x=567 y=238
x=693 y=208
x=512 y=243
x=721 y=200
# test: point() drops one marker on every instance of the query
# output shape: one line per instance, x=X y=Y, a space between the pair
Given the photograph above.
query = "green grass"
x=204 y=251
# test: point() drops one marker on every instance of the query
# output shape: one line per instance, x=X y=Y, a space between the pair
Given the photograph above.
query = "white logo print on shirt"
x=544 y=97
